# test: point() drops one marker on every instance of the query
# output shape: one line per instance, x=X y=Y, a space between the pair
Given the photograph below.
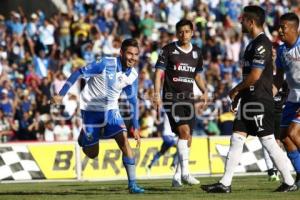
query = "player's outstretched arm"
x=92 y=69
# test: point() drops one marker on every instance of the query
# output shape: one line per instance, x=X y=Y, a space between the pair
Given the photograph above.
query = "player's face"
x=184 y=34
x=286 y=31
x=246 y=24
x=130 y=56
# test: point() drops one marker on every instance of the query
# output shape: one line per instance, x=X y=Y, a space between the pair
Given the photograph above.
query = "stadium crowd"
x=38 y=53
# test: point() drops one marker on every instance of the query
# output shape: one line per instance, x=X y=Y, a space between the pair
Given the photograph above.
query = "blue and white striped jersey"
x=106 y=79
x=289 y=60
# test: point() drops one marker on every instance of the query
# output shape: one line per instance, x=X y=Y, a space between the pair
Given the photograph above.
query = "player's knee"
x=293 y=131
x=91 y=152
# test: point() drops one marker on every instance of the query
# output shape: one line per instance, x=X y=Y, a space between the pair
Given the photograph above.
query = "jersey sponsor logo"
x=183 y=79
x=195 y=54
x=291 y=58
x=184 y=67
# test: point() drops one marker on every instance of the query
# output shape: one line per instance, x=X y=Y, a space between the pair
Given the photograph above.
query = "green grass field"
x=246 y=187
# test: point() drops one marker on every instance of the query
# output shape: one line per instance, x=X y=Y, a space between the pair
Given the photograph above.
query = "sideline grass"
x=246 y=187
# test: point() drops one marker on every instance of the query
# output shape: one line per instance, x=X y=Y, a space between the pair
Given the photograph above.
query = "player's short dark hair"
x=184 y=22
x=255 y=13
x=292 y=17
x=129 y=43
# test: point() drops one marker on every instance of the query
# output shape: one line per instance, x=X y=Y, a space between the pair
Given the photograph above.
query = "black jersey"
x=180 y=68
x=280 y=97
x=258 y=54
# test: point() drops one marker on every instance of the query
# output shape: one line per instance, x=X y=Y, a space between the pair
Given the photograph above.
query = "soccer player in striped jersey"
x=107 y=78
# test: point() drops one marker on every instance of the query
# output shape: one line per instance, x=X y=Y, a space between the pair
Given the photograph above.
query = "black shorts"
x=255 y=118
x=180 y=113
x=277 y=129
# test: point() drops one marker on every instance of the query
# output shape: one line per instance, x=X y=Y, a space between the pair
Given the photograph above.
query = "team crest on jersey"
x=195 y=54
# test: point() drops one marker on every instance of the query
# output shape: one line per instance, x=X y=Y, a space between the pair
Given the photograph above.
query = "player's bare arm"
x=157 y=89
x=202 y=86
x=250 y=80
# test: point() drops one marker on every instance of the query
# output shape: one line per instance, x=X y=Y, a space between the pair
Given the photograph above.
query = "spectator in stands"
x=62 y=131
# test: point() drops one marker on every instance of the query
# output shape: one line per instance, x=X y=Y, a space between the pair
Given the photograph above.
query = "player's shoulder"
x=264 y=41
x=170 y=46
x=196 y=48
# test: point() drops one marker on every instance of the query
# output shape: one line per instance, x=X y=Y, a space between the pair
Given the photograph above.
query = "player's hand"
x=157 y=102
x=57 y=99
x=234 y=105
x=137 y=137
x=274 y=90
x=234 y=97
x=232 y=94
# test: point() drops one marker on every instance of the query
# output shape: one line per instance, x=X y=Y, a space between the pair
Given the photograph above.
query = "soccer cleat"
x=135 y=189
x=216 y=188
x=189 y=180
x=286 y=188
x=176 y=182
x=274 y=177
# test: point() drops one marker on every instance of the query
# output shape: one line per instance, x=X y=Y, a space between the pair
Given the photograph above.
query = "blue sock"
x=294 y=156
x=155 y=159
x=129 y=164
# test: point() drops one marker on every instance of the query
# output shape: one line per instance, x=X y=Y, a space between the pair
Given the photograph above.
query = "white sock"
x=233 y=157
x=278 y=157
x=183 y=153
x=268 y=160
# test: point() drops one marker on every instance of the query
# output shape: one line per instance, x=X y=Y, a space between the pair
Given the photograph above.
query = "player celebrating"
x=181 y=63
x=288 y=61
x=255 y=114
x=108 y=77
